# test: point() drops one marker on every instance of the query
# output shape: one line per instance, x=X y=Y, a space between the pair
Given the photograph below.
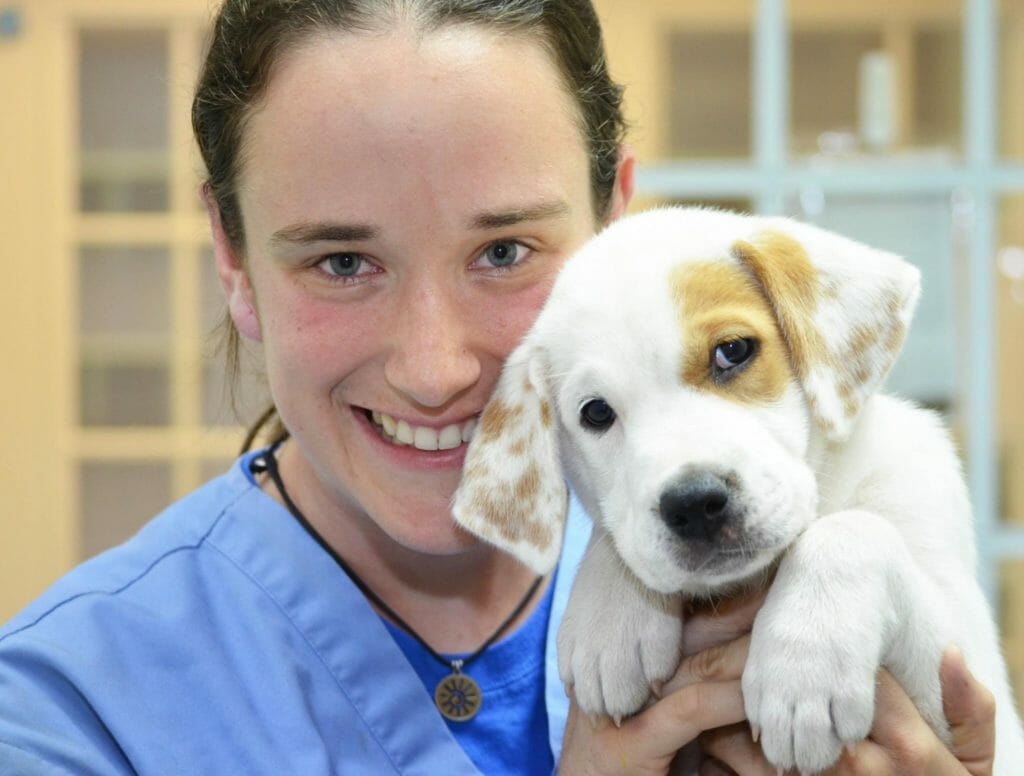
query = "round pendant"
x=457 y=697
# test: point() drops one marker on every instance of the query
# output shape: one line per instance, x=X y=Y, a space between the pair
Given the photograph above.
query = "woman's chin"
x=445 y=540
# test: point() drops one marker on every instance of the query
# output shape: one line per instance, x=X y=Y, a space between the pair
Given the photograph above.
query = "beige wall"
x=37 y=541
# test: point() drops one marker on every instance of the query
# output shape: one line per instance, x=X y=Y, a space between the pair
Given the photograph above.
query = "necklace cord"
x=267 y=462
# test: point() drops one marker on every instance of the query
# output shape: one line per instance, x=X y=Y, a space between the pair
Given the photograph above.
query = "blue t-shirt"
x=510 y=732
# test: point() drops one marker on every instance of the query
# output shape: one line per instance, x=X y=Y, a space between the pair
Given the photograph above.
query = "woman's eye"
x=730 y=354
x=504 y=253
x=343 y=265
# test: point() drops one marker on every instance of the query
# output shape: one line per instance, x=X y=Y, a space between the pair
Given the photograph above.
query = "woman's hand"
x=900 y=741
x=704 y=700
x=703 y=695
x=971 y=713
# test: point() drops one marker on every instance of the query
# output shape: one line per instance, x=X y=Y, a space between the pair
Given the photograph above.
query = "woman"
x=392 y=188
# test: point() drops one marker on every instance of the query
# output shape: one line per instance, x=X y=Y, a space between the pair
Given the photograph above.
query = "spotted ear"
x=512 y=493
x=843 y=308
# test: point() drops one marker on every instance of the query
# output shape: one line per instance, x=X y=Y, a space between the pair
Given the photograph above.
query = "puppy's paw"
x=808 y=694
x=615 y=654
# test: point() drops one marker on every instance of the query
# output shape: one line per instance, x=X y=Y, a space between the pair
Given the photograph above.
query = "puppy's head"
x=675 y=377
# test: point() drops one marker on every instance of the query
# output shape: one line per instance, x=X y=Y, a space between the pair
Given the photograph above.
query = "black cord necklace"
x=456 y=696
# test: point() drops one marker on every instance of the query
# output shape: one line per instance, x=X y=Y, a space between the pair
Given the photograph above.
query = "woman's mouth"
x=402 y=434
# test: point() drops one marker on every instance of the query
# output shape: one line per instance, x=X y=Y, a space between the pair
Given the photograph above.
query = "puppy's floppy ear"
x=512 y=492
x=843 y=308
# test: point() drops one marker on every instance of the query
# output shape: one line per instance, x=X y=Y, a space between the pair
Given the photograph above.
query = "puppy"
x=707 y=383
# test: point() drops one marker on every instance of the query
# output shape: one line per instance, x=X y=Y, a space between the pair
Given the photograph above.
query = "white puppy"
x=707 y=382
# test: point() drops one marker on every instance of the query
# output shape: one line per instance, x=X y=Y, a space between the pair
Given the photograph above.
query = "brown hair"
x=249 y=36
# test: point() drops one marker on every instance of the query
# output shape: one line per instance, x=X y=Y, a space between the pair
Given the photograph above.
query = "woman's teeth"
x=400 y=433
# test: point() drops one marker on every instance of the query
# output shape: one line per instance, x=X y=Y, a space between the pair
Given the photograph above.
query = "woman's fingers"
x=719 y=663
x=704 y=694
x=733 y=751
x=971 y=711
x=680 y=717
x=900 y=742
x=901 y=738
x=719 y=621
x=704 y=700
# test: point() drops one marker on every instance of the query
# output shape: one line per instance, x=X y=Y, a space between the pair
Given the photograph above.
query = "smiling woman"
x=373 y=285
x=388 y=216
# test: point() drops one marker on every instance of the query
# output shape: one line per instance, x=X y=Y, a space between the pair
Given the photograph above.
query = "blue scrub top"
x=222 y=639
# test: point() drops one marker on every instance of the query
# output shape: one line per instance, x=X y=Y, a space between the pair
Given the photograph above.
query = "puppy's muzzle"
x=697 y=505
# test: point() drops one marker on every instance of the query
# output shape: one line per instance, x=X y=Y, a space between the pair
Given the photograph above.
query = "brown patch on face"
x=864 y=324
x=719 y=302
x=789 y=279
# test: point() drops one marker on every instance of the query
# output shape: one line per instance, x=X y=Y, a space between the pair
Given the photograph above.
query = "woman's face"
x=407 y=202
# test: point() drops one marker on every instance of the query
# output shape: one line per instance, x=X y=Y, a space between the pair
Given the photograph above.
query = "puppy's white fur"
x=854 y=498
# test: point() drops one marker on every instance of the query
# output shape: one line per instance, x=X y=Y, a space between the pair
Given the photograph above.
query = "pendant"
x=457 y=696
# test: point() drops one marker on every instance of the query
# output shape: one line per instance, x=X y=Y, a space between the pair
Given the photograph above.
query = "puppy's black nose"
x=696 y=506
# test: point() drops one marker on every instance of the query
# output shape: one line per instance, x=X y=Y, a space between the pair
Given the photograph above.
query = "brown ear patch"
x=545 y=414
x=511 y=507
x=868 y=344
x=513 y=492
x=498 y=419
x=507 y=501
x=718 y=302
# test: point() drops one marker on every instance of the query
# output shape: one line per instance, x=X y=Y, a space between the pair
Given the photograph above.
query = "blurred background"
x=898 y=122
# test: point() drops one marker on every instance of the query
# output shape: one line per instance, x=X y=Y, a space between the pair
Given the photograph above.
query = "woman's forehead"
x=387 y=76
x=353 y=115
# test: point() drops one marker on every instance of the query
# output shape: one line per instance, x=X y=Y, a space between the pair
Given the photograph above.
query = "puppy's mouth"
x=713 y=565
x=403 y=434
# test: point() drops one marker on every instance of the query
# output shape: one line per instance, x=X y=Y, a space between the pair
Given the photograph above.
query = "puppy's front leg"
x=848 y=599
x=618 y=640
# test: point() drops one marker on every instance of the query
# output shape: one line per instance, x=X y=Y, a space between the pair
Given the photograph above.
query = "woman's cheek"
x=315 y=334
x=516 y=319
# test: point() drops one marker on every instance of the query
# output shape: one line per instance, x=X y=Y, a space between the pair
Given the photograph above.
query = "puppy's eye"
x=729 y=355
x=596 y=415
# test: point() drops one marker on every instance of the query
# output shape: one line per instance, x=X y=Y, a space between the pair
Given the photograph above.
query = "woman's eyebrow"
x=322 y=231
x=513 y=216
x=306 y=232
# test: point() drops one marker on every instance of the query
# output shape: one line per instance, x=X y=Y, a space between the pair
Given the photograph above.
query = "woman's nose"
x=432 y=358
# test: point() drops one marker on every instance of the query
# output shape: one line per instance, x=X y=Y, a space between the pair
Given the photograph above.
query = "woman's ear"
x=234 y=280
x=622 y=192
